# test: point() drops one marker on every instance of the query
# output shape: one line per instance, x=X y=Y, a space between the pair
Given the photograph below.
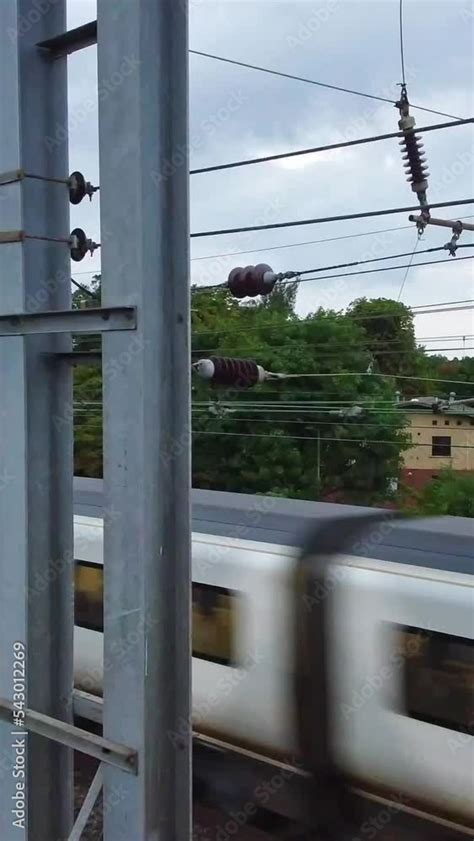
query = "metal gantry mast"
x=145 y=324
x=36 y=570
x=142 y=124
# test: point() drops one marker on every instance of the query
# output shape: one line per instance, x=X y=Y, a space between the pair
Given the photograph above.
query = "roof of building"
x=437 y=405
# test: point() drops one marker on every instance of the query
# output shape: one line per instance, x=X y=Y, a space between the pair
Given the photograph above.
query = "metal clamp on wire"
x=452 y=245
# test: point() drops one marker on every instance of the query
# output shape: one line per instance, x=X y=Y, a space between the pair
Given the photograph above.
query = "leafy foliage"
x=327 y=436
x=450 y=493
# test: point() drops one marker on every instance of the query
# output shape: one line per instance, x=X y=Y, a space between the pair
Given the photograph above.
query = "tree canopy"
x=332 y=434
x=450 y=493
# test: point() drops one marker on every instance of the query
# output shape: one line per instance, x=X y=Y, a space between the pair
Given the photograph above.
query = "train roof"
x=437 y=542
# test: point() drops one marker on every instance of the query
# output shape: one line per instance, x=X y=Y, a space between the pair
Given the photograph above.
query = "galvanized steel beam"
x=36 y=559
x=74 y=737
x=142 y=47
x=90 y=320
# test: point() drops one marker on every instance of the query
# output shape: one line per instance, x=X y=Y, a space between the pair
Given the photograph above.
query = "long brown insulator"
x=242 y=373
x=415 y=161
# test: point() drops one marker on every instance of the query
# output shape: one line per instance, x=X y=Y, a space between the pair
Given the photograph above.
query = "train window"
x=214 y=616
x=88 y=596
x=441 y=445
x=437 y=677
x=213 y=613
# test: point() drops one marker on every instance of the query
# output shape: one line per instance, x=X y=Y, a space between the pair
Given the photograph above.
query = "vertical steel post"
x=143 y=132
x=35 y=424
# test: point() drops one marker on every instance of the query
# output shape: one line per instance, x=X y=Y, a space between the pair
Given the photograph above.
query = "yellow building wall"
x=423 y=426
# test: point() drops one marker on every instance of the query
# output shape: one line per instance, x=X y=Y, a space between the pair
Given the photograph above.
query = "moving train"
x=335 y=637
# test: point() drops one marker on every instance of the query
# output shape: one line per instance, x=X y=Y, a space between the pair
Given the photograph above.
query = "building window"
x=471 y=422
x=437 y=677
x=441 y=445
x=214 y=613
x=435 y=423
x=446 y=423
x=459 y=423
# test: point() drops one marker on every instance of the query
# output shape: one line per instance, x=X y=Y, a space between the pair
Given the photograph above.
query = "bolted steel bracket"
x=77 y=185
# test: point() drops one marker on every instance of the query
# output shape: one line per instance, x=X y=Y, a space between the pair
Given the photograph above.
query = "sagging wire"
x=408 y=267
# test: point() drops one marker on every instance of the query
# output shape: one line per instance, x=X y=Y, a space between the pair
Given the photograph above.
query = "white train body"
x=380 y=744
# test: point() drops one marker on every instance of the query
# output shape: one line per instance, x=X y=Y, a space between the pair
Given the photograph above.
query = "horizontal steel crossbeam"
x=90 y=320
x=78 y=357
x=71 y=41
x=112 y=753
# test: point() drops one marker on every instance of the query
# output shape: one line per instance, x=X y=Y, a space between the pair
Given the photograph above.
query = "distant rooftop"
x=438 y=405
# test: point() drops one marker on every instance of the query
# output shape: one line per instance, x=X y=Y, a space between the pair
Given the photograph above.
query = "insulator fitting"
x=80 y=245
x=79 y=188
x=251 y=281
x=221 y=370
x=413 y=156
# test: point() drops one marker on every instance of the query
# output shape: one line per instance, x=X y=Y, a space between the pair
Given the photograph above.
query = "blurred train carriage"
x=336 y=636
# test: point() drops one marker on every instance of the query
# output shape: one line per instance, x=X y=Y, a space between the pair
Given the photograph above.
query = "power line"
x=313 y=82
x=223 y=287
x=289 y=245
x=379 y=259
x=375 y=271
x=334 y=351
x=318 y=438
x=402 y=51
x=343 y=144
x=341 y=422
x=342 y=218
x=365 y=344
x=420 y=309
x=417 y=239
x=376 y=374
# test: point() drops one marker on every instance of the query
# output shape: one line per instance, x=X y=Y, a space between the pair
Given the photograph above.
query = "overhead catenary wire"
x=323 y=219
x=328 y=147
x=297 y=279
x=402 y=286
x=377 y=374
x=316 y=423
x=402 y=49
x=375 y=259
x=420 y=309
x=287 y=245
x=313 y=82
x=335 y=352
x=321 y=438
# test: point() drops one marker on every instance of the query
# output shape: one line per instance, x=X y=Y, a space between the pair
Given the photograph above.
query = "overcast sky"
x=236 y=113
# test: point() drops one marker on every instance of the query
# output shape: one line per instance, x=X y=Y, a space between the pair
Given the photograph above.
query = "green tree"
x=390 y=334
x=450 y=493
x=87 y=394
x=301 y=450
x=299 y=437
